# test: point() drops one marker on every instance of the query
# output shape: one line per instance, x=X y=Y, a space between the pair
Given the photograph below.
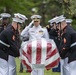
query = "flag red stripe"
x=24 y=53
x=53 y=64
x=49 y=46
x=38 y=52
x=26 y=65
x=26 y=56
x=29 y=52
x=51 y=53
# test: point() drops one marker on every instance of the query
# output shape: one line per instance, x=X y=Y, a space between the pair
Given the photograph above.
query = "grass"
x=25 y=73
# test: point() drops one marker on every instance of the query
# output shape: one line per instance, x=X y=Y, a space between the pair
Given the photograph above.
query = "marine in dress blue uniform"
x=67 y=45
x=9 y=44
x=11 y=60
x=5 y=20
x=53 y=34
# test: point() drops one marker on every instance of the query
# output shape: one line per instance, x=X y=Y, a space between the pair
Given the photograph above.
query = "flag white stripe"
x=43 y=51
x=52 y=59
x=25 y=49
x=53 y=45
x=34 y=46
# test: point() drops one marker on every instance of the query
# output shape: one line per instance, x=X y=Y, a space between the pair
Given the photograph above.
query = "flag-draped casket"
x=40 y=54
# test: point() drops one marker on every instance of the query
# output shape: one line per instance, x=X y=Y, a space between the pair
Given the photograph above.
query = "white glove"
x=24 y=32
x=30 y=24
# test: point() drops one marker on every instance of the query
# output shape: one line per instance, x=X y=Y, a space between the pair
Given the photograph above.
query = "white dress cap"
x=21 y=16
x=18 y=20
x=69 y=20
x=35 y=16
x=52 y=20
x=60 y=19
x=5 y=15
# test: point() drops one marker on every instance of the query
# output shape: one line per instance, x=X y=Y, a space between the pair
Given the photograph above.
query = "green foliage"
x=13 y=6
x=74 y=24
x=46 y=8
x=72 y=7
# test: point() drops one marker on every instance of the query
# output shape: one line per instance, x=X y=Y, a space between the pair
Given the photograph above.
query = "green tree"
x=46 y=8
x=13 y=6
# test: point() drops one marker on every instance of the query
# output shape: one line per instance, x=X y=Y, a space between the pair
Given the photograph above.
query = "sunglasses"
x=35 y=21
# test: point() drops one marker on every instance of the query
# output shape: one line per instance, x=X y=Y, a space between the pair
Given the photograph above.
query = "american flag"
x=40 y=53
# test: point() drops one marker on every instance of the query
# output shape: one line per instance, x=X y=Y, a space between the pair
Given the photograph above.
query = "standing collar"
x=64 y=30
x=37 y=26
